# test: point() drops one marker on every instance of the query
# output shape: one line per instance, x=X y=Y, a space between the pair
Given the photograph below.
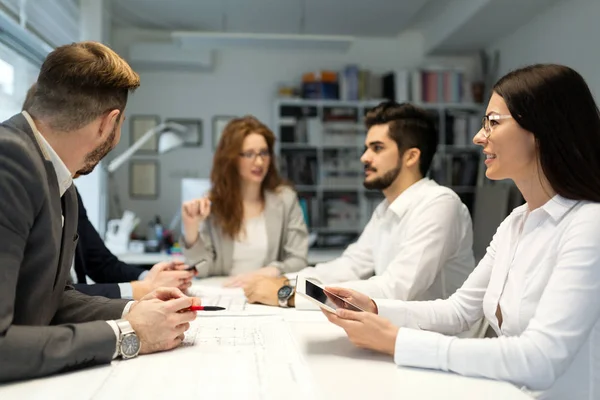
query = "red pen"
x=203 y=308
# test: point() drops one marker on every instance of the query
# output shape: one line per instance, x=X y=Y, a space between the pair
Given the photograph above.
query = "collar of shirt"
x=556 y=207
x=63 y=175
x=405 y=201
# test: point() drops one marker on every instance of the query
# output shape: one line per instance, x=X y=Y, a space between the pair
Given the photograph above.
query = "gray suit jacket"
x=287 y=236
x=45 y=325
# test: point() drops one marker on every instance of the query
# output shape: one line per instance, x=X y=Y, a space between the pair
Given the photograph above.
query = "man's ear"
x=108 y=123
x=411 y=157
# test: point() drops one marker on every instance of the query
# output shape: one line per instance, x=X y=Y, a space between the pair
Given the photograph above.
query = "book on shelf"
x=310 y=209
x=341 y=212
x=299 y=125
x=396 y=86
x=359 y=84
x=427 y=85
x=320 y=85
x=461 y=127
x=299 y=166
x=341 y=167
x=340 y=114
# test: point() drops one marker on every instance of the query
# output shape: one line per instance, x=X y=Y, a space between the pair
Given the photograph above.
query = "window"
x=17 y=74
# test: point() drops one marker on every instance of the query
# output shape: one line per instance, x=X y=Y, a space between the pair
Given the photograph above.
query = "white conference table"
x=315 y=256
x=338 y=368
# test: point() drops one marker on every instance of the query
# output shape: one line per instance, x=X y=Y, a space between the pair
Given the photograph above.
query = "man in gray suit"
x=46 y=326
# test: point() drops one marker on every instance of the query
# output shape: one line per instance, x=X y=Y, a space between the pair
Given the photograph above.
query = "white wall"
x=243 y=82
x=566 y=33
x=92 y=188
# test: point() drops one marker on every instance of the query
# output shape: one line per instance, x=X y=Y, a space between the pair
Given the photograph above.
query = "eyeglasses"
x=251 y=155
x=486 y=124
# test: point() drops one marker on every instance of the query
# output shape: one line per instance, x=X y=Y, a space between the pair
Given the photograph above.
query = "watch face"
x=130 y=345
x=284 y=292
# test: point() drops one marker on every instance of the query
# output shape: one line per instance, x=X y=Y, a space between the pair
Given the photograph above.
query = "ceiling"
x=491 y=22
x=379 y=18
x=448 y=26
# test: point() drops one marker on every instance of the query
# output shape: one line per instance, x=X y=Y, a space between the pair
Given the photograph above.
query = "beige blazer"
x=287 y=236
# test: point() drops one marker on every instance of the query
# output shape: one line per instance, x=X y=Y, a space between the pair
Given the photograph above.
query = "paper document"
x=233 y=299
x=251 y=358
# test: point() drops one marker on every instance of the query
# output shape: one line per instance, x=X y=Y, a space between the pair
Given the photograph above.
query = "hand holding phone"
x=325 y=299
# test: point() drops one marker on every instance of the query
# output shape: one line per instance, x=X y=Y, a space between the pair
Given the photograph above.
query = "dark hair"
x=409 y=126
x=225 y=195
x=29 y=97
x=554 y=103
x=80 y=82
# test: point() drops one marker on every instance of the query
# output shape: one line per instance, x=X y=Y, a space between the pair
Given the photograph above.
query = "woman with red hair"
x=250 y=223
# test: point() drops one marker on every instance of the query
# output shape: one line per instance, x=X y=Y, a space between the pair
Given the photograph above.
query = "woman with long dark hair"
x=251 y=223
x=538 y=285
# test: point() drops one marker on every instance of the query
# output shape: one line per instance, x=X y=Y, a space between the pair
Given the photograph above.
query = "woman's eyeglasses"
x=486 y=124
x=251 y=155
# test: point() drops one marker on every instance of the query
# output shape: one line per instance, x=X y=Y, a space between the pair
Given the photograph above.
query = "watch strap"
x=124 y=329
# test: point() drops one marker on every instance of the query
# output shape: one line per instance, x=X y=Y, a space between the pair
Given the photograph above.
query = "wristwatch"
x=284 y=294
x=129 y=343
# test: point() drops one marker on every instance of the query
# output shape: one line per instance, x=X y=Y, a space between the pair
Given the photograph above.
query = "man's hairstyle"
x=80 y=82
x=409 y=126
x=29 y=97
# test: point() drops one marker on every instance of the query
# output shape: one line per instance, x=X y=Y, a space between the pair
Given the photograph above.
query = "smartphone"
x=194 y=266
x=325 y=299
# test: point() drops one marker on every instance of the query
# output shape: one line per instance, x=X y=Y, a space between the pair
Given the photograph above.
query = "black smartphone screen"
x=328 y=298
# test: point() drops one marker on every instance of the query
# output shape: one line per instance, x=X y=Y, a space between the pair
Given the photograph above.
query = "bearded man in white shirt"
x=418 y=243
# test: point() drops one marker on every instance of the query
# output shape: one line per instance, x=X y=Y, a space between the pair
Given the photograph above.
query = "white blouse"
x=250 y=248
x=543 y=269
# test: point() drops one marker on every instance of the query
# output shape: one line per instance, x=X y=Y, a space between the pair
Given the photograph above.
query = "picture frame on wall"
x=143 y=179
x=219 y=123
x=139 y=125
x=195 y=133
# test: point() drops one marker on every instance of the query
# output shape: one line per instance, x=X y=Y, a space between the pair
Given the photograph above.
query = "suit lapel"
x=66 y=232
x=274 y=215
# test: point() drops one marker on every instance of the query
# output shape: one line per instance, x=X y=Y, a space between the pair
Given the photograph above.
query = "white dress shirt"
x=126 y=289
x=65 y=180
x=543 y=270
x=250 y=248
x=417 y=248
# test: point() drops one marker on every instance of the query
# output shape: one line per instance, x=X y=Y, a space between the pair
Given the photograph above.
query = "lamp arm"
x=121 y=158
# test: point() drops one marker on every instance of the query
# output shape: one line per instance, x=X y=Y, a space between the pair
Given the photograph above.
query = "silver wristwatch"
x=129 y=343
x=284 y=294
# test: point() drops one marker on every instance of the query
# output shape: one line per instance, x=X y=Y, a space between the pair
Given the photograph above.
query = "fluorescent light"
x=263 y=40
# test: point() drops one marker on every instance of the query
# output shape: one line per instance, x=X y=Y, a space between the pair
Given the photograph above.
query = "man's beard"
x=383 y=182
x=96 y=155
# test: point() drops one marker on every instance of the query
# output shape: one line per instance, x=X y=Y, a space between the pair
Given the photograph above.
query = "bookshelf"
x=319 y=144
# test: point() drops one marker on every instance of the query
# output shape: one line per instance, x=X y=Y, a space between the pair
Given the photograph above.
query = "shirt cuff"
x=115 y=328
x=126 y=309
x=393 y=310
x=143 y=275
x=422 y=349
x=126 y=290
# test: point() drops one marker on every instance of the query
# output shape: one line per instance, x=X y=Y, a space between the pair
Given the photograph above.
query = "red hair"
x=227 y=204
